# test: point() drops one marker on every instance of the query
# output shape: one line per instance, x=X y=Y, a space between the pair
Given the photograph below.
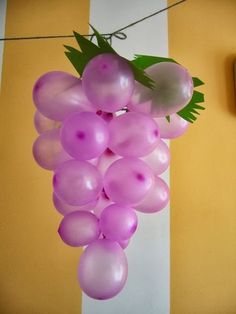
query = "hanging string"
x=119 y=34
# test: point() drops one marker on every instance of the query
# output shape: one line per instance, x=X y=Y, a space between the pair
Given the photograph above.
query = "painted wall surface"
x=203 y=168
x=38 y=272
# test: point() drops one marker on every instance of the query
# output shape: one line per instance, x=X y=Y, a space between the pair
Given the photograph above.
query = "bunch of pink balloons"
x=102 y=135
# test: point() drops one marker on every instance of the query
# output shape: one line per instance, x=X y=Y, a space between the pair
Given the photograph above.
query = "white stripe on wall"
x=147 y=289
x=3 y=7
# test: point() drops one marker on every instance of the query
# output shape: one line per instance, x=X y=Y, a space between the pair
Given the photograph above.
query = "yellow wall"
x=203 y=167
x=38 y=272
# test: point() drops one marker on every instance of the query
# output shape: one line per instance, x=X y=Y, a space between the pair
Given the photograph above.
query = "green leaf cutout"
x=190 y=111
x=197 y=82
x=144 y=61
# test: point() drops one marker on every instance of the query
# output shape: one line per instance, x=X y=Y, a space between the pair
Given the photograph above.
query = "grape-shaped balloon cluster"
x=102 y=135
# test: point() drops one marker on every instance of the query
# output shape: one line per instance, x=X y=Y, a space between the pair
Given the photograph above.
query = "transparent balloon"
x=43 y=124
x=159 y=159
x=133 y=134
x=156 y=199
x=128 y=180
x=118 y=222
x=175 y=128
x=77 y=182
x=173 y=90
x=58 y=94
x=65 y=209
x=108 y=82
x=79 y=228
x=103 y=269
x=48 y=151
x=84 y=135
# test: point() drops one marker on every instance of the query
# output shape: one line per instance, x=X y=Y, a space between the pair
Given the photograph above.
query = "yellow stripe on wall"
x=203 y=167
x=38 y=272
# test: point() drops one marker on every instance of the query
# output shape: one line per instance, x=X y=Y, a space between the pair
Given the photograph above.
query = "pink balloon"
x=84 y=135
x=175 y=128
x=156 y=199
x=118 y=222
x=47 y=150
x=124 y=243
x=128 y=180
x=173 y=90
x=79 y=228
x=133 y=134
x=65 y=209
x=159 y=159
x=43 y=124
x=58 y=94
x=77 y=182
x=103 y=269
x=108 y=82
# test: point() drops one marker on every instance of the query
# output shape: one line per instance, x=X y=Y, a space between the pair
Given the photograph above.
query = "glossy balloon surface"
x=175 y=128
x=128 y=180
x=43 y=124
x=79 y=228
x=48 y=151
x=173 y=90
x=77 y=182
x=106 y=159
x=108 y=82
x=118 y=222
x=103 y=269
x=133 y=134
x=156 y=199
x=58 y=94
x=65 y=209
x=84 y=135
x=159 y=159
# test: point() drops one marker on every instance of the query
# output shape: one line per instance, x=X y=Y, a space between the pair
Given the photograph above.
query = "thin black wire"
x=119 y=34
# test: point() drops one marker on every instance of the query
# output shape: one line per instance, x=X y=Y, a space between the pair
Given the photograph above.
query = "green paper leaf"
x=141 y=76
x=144 y=61
x=102 y=43
x=190 y=111
x=197 y=82
x=168 y=118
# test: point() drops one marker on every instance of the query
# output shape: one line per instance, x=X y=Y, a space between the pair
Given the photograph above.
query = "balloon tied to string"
x=103 y=135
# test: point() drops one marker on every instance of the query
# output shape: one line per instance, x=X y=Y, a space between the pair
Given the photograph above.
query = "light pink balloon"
x=48 y=151
x=43 y=124
x=79 y=228
x=124 y=243
x=156 y=199
x=103 y=269
x=108 y=82
x=65 y=209
x=159 y=159
x=77 y=182
x=172 y=91
x=118 y=222
x=84 y=135
x=175 y=128
x=133 y=134
x=58 y=94
x=128 y=180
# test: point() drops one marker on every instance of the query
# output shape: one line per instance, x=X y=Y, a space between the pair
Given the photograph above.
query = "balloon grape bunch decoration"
x=102 y=135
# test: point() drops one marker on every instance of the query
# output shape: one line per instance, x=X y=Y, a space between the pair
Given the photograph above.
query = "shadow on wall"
x=230 y=83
